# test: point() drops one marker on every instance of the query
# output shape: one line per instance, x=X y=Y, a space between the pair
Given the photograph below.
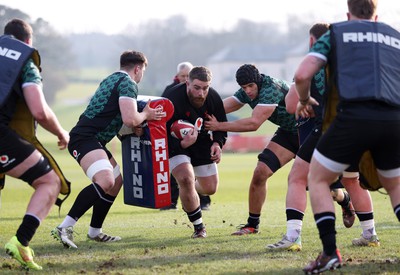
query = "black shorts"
x=13 y=149
x=346 y=140
x=307 y=148
x=304 y=128
x=79 y=146
x=286 y=139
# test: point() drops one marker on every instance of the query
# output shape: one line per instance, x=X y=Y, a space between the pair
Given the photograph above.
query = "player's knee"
x=294 y=179
x=213 y=190
x=185 y=181
x=270 y=159
x=106 y=183
x=103 y=173
x=335 y=194
x=38 y=171
x=52 y=182
x=210 y=189
x=261 y=173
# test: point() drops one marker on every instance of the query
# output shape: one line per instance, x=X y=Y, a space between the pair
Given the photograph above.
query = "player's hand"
x=216 y=152
x=189 y=139
x=63 y=139
x=306 y=110
x=153 y=113
x=211 y=124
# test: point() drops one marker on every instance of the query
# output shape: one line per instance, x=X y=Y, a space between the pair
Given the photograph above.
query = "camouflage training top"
x=102 y=117
x=272 y=93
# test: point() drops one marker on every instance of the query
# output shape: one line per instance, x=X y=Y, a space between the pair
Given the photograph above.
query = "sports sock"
x=100 y=210
x=397 y=211
x=346 y=200
x=367 y=224
x=67 y=222
x=293 y=230
x=294 y=223
x=253 y=220
x=85 y=199
x=196 y=218
x=27 y=229
x=93 y=232
x=326 y=226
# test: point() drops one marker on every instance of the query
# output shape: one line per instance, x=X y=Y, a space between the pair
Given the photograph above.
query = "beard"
x=196 y=102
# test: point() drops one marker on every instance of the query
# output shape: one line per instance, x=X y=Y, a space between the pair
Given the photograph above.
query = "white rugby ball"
x=180 y=128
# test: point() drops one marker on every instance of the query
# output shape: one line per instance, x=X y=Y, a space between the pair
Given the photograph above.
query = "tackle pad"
x=145 y=159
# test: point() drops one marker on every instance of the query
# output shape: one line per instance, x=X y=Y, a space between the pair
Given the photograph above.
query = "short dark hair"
x=318 y=29
x=131 y=58
x=363 y=9
x=18 y=28
x=201 y=73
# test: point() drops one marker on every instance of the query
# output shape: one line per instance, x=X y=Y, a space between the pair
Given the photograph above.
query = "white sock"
x=67 y=222
x=368 y=228
x=93 y=232
x=198 y=221
x=293 y=229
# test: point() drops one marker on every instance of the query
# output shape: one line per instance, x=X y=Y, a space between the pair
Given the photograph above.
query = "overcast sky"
x=80 y=16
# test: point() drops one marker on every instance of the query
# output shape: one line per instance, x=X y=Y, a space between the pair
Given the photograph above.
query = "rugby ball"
x=180 y=128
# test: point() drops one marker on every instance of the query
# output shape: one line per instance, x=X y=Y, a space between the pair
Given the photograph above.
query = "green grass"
x=155 y=242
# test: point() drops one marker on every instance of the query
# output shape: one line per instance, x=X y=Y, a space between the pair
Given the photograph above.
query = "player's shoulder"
x=176 y=92
x=31 y=73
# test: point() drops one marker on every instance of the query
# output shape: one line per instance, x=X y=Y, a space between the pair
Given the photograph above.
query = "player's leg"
x=30 y=166
x=183 y=172
x=296 y=202
x=103 y=205
x=279 y=151
x=95 y=162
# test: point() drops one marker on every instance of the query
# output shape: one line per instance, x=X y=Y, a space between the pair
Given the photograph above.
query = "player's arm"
x=291 y=99
x=43 y=114
x=231 y=104
x=259 y=115
x=305 y=72
x=131 y=117
x=218 y=111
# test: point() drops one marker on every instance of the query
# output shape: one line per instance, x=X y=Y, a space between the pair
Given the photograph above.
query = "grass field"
x=155 y=242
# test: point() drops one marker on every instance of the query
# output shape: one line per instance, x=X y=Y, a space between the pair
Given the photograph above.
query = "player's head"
x=134 y=63
x=182 y=71
x=250 y=79
x=20 y=30
x=316 y=31
x=198 y=85
x=362 y=9
x=248 y=73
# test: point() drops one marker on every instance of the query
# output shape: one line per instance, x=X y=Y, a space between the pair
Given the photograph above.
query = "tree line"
x=164 y=42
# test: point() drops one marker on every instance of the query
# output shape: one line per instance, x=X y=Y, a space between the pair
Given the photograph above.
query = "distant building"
x=275 y=60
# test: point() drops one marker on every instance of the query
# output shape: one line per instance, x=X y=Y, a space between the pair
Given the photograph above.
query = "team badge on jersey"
x=4 y=159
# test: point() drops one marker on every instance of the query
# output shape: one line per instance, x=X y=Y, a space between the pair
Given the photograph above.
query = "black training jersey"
x=184 y=110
